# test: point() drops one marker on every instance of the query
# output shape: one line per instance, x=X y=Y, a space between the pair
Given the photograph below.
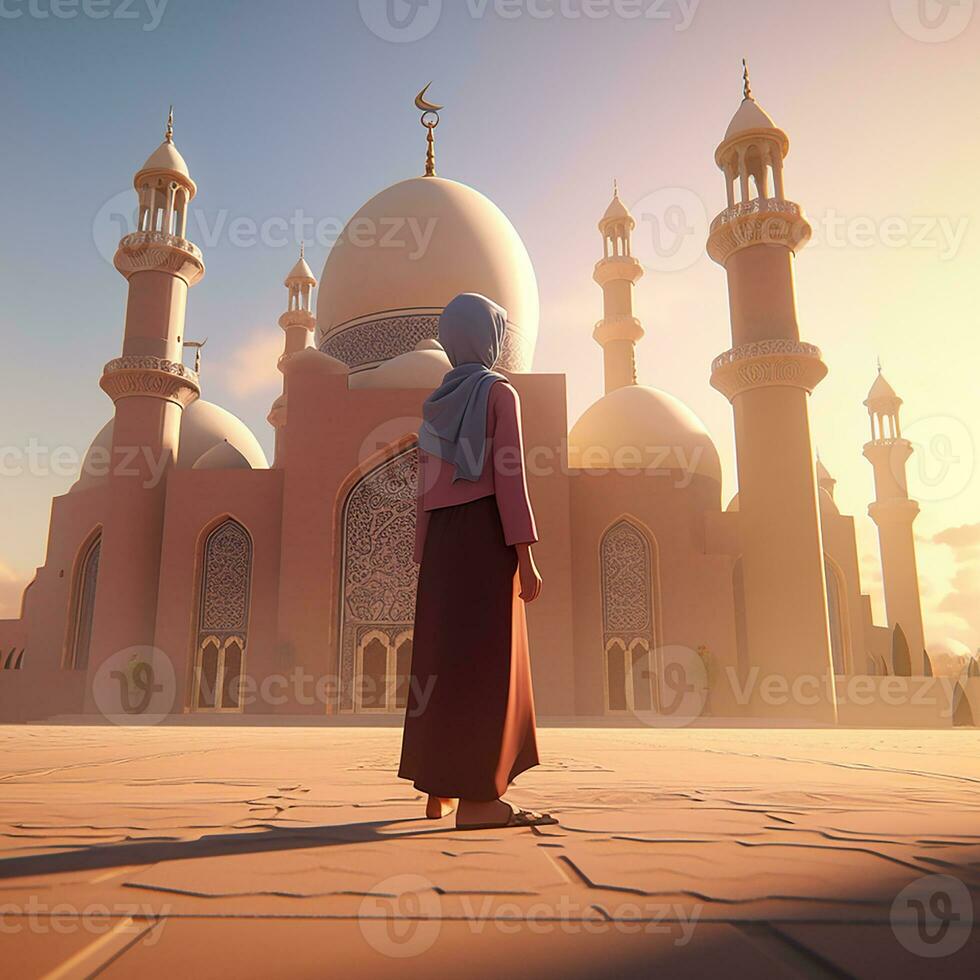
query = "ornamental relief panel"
x=226 y=579
x=379 y=575
x=371 y=341
x=626 y=582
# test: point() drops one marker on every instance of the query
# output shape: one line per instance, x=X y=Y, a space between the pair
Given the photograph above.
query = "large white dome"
x=637 y=428
x=405 y=255
x=203 y=426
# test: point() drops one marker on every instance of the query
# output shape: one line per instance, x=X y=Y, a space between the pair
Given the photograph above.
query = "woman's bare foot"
x=437 y=807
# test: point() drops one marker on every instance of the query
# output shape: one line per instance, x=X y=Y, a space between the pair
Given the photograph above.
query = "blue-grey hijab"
x=454 y=416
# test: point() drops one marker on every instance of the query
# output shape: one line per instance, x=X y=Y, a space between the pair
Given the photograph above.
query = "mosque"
x=243 y=588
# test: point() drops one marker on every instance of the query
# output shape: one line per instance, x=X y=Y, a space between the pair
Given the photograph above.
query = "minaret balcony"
x=297 y=318
x=896 y=510
x=159 y=251
x=150 y=377
x=617 y=267
x=764 y=221
x=767 y=364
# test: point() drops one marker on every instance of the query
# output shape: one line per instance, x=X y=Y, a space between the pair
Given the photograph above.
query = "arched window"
x=627 y=583
x=222 y=637
x=379 y=578
x=83 y=606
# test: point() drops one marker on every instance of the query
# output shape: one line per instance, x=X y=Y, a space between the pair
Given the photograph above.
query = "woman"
x=469 y=723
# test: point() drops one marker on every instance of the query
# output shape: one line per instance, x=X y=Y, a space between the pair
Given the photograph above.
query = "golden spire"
x=302 y=250
x=430 y=119
x=169 y=135
x=746 y=84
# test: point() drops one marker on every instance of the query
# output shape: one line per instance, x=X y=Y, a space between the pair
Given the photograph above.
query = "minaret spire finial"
x=430 y=119
x=169 y=135
x=746 y=83
x=302 y=250
x=879 y=365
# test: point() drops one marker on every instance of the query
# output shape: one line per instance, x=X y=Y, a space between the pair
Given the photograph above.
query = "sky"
x=304 y=109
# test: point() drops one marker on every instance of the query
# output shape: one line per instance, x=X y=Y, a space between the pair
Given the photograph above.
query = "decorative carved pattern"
x=768 y=221
x=147 y=375
x=85 y=606
x=370 y=342
x=227 y=580
x=765 y=364
x=627 y=583
x=379 y=574
x=159 y=251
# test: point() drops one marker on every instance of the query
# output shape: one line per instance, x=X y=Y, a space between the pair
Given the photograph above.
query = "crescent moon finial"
x=422 y=103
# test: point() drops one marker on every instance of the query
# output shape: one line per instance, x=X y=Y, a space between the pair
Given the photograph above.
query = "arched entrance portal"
x=379 y=578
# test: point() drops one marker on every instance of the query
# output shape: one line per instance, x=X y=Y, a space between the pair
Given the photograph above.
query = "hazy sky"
x=302 y=108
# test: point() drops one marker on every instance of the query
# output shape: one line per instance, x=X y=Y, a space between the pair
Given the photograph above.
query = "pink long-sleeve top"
x=502 y=477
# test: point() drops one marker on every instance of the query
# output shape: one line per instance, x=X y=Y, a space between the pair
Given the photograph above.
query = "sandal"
x=518 y=818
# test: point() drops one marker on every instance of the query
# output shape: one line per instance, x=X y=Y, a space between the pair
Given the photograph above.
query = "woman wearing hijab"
x=469 y=723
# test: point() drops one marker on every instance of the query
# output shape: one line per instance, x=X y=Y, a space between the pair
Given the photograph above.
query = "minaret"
x=617 y=273
x=894 y=513
x=768 y=375
x=824 y=480
x=297 y=323
x=150 y=387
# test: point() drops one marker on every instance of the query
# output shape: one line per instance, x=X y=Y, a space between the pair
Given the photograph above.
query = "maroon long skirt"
x=469 y=721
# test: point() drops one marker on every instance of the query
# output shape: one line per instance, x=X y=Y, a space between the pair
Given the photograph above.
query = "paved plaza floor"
x=296 y=852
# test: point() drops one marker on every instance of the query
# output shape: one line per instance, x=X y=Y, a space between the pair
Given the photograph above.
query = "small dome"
x=637 y=427
x=310 y=359
x=828 y=506
x=750 y=115
x=616 y=211
x=882 y=394
x=223 y=456
x=166 y=157
x=423 y=368
x=301 y=272
x=203 y=426
x=405 y=254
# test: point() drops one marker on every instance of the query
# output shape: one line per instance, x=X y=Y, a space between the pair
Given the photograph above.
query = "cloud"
x=955 y=607
x=962 y=539
x=12 y=588
x=252 y=368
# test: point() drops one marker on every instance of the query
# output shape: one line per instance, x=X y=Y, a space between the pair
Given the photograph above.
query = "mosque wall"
x=199 y=501
x=692 y=604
